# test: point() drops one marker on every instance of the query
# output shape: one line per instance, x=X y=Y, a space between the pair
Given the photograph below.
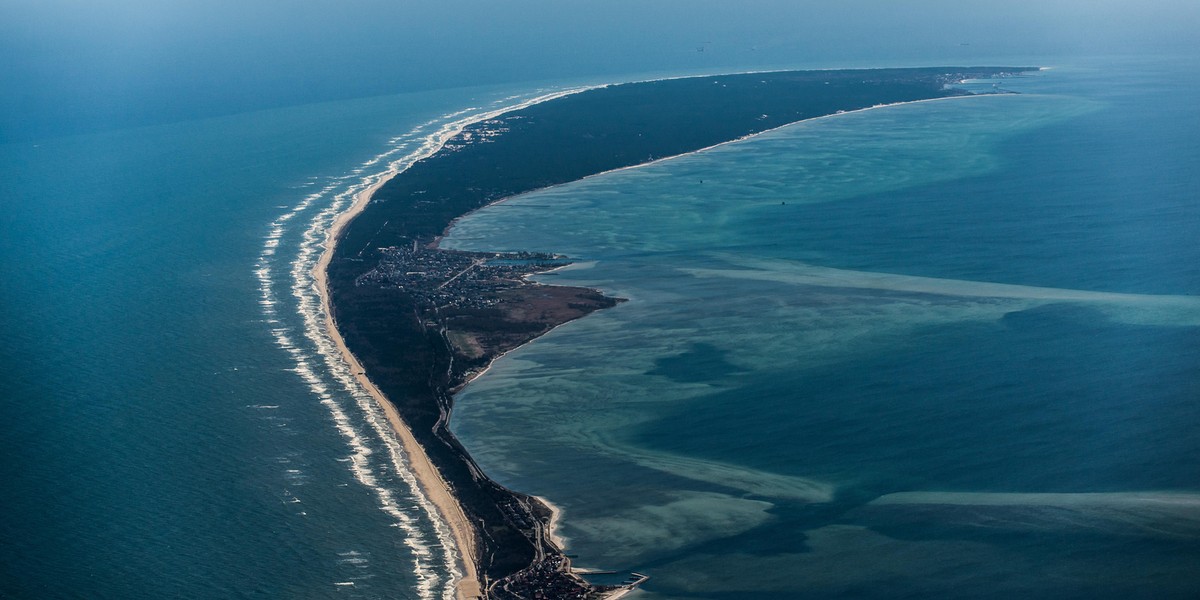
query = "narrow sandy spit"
x=430 y=480
x=428 y=477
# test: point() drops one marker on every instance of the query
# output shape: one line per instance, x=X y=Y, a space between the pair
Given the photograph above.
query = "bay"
x=945 y=348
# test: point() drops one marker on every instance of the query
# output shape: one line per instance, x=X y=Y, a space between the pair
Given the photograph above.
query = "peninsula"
x=417 y=322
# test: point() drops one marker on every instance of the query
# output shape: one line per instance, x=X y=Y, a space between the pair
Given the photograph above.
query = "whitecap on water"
x=318 y=363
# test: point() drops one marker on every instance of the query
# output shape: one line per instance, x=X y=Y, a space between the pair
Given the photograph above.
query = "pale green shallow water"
x=958 y=300
x=741 y=428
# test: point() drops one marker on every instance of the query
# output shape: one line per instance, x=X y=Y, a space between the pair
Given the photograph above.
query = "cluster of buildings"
x=481 y=132
x=453 y=279
x=546 y=579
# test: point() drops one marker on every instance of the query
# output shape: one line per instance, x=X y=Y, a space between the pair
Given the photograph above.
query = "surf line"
x=455 y=537
x=407 y=457
x=427 y=577
x=305 y=366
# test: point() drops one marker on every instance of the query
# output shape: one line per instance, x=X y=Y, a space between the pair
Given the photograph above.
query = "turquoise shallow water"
x=809 y=398
x=947 y=348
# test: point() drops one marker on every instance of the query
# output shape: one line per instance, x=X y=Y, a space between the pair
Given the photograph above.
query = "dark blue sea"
x=940 y=349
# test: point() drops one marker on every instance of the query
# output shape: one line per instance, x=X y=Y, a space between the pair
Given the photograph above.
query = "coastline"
x=749 y=136
x=449 y=505
x=556 y=513
x=551 y=531
x=429 y=478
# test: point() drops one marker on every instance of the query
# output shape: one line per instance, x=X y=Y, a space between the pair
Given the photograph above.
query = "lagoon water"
x=935 y=347
x=942 y=349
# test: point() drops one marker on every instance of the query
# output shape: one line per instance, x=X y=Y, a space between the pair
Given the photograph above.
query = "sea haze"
x=945 y=348
x=74 y=66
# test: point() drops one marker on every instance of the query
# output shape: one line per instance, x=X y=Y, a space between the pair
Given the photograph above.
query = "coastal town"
x=424 y=321
x=441 y=279
x=553 y=579
x=481 y=303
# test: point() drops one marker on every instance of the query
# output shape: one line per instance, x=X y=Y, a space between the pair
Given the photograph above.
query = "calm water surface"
x=946 y=348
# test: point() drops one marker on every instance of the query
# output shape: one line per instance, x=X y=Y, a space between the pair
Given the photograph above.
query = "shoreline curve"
x=430 y=480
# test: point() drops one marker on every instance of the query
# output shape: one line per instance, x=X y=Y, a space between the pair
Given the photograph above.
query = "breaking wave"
x=292 y=308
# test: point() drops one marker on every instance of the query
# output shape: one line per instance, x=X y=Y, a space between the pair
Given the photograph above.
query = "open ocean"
x=948 y=348
x=172 y=428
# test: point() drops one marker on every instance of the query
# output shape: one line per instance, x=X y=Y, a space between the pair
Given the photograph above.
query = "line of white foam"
x=359 y=460
x=317 y=241
x=309 y=308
